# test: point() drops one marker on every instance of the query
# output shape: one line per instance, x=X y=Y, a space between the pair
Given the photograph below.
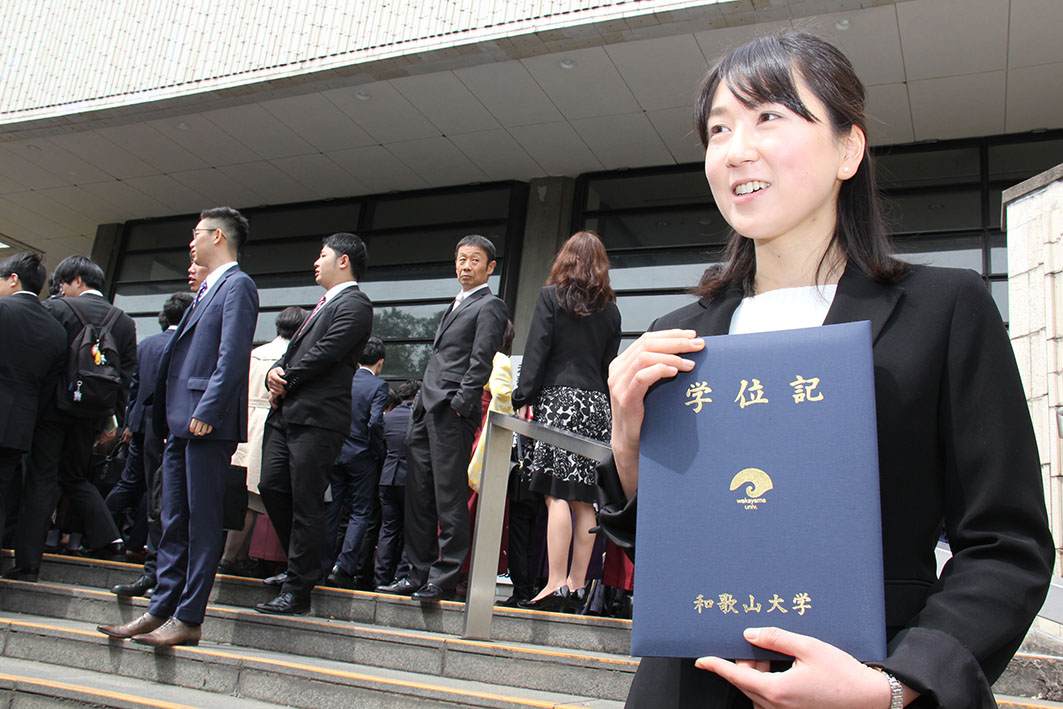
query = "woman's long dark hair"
x=581 y=275
x=763 y=71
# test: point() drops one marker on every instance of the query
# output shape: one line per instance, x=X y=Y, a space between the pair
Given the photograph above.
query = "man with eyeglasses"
x=201 y=405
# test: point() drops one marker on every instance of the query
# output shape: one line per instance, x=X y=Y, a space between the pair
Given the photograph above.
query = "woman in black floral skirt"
x=575 y=334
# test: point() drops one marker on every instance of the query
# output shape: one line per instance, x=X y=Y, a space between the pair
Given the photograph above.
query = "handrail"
x=490 y=511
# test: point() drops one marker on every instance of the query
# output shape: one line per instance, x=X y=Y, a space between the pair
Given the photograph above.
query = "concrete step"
x=609 y=635
x=517 y=664
x=26 y=683
x=264 y=675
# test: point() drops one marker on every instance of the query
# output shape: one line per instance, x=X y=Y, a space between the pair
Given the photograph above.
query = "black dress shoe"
x=115 y=551
x=339 y=578
x=556 y=602
x=276 y=581
x=140 y=587
x=285 y=604
x=402 y=587
x=431 y=592
x=17 y=573
x=577 y=600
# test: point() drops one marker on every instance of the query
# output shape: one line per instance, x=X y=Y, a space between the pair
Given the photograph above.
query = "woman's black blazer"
x=564 y=350
x=956 y=451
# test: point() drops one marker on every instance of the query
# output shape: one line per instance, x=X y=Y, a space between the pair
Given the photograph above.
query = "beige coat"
x=249 y=455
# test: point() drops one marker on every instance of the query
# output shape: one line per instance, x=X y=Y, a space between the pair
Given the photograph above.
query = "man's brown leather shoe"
x=144 y=624
x=173 y=632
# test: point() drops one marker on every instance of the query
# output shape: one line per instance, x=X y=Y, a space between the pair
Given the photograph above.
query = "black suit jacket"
x=33 y=350
x=369 y=397
x=465 y=343
x=320 y=362
x=142 y=387
x=124 y=331
x=564 y=350
x=956 y=450
x=396 y=425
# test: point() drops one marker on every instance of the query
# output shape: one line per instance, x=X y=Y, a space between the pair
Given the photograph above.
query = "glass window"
x=418 y=283
x=406 y=361
x=999 y=289
x=313 y=220
x=147 y=325
x=408 y=322
x=998 y=253
x=146 y=297
x=943 y=210
x=697 y=226
x=428 y=244
x=660 y=269
x=927 y=167
x=951 y=251
x=157 y=266
x=660 y=190
x=1016 y=162
x=292 y=254
x=440 y=208
x=161 y=234
x=638 y=311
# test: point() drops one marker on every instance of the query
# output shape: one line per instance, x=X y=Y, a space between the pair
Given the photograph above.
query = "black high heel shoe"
x=576 y=601
x=556 y=602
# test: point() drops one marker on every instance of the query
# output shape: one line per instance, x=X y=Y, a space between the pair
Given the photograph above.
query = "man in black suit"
x=310 y=390
x=356 y=471
x=32 y=355
x=59 y=459
x=393 y=486
x=145 y=446
x=446 y=415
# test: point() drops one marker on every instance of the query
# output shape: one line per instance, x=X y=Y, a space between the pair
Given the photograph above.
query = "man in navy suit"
x=393 y=486
x=356 y=471
x=310 y=389
x=145 y=448
x=32 y=355
x=446 y=415
x=201 y=402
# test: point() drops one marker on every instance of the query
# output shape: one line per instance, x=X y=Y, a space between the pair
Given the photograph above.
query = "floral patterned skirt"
x=557 y=472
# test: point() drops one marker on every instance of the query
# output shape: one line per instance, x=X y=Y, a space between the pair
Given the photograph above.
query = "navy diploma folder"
x=759 y=498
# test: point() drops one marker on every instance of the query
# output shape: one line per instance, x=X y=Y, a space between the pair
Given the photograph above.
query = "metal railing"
x=490 y=511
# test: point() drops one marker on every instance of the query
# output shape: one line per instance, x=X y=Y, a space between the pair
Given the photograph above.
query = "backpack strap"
x=77 y=311
x=105 y=326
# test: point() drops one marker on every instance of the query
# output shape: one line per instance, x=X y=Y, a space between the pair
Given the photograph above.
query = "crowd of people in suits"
x=295 y=461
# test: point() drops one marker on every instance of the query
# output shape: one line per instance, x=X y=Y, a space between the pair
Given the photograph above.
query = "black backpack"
x=93 y=374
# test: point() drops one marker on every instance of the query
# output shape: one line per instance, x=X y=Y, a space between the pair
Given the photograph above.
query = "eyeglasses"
x=196 y=231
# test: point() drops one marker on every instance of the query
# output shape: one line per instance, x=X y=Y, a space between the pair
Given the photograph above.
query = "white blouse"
x=783 y=309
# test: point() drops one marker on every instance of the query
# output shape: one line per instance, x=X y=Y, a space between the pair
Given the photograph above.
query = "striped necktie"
x=199 y=294
x=311 y=317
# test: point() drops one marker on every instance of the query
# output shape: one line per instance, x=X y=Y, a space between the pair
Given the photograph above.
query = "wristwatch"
x=896 y=690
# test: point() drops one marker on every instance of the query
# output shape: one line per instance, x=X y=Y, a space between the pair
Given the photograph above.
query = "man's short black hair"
x=234 y=224
x=480 y=242
x=352 y=245
x=289 y=320
x=409 y=388
x=393 y=399
x=373 y=352
x=174 y=308
x=29 y=269
x=73 y=266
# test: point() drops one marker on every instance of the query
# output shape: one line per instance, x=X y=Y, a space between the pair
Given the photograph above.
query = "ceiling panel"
x=592 y=87
x=1034 y=32
x=152 y=147
x=202 y=138
x=1035 y=98
x=958 y=106
x=319 y=173
x=872 y=41
x=510 y=93
x=62 y=163
x=557 y=148
x=437 y=161
x=661 y=73
x=714 y=43
x=623 y=141
x=271 y=184
x=28 y=226
x=319 y=121
x=889 y=115
x=220 y=188
x=446 y=102
x=133 y=200
x=377 y=169
x=385 y=114
x=952 y=37
x=96 y=150
x=498 y=154
x=20 y=166
x=260 y=131
x=175 y=195
x=39 y=202
x=676 y=128
x=94 y=207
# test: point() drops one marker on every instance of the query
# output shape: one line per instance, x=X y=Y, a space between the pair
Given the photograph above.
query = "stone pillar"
x=1033 y=217
x=547 y=225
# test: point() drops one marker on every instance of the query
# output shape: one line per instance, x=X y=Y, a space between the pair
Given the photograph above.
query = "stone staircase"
x=357 y=649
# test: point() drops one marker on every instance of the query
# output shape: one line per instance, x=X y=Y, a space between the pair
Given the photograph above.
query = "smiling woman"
x=782 y=121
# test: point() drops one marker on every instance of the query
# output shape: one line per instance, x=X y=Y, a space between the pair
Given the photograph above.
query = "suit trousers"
x=389 y=543
x=153 y=465
x=128 y=493
x=296 y=464
x=438 y=449
x=10 y=477
x=193 y=484
x=358 y=481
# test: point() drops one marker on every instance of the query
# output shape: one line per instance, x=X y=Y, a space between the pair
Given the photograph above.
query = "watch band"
x=896 y=690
